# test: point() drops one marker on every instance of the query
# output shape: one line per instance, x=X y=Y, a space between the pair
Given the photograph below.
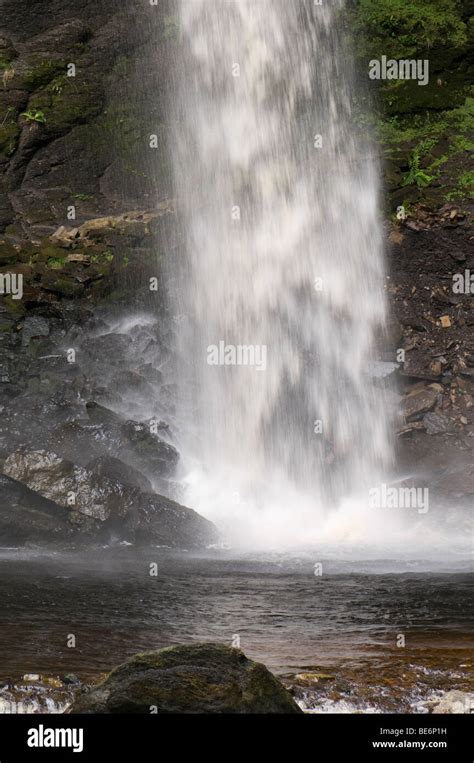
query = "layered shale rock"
x=72 y=498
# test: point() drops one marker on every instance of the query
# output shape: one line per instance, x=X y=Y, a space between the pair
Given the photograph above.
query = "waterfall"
x=280 y=277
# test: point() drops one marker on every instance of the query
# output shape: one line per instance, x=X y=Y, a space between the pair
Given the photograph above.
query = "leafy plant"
x=9 y=114
x=416 y=175
x=56 y=263
x=55 y=87
x=35 y=116
x=83 y=196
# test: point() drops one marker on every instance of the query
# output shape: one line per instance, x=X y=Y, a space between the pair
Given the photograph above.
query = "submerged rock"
x=200 y=678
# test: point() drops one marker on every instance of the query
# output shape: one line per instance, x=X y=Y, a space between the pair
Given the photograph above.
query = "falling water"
x=277 y=199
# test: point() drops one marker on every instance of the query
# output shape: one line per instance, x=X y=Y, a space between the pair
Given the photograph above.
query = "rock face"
x=26 y=516
x=127 y=440
x=75 y=498
x=85 y=143
x=202 y=678
x=115 y=469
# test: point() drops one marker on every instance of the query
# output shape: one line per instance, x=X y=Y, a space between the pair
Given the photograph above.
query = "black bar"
x=110 y=738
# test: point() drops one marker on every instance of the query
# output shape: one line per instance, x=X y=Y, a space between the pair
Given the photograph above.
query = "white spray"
x=283 y=260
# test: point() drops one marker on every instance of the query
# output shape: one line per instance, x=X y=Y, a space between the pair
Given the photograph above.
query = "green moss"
x=8 y=253
x=5 y=60
x=67 y=105
x=56 y=263
x=406 y=29
x=9 y=134
x=41 y=72
x=403 y=114
x=102 y=257
x=14 y=307
x=464 y=189
x=65 y=288
x=51 y=252
x=416 y=174
x=458 y=123
x=121 y=123
x=82 y=196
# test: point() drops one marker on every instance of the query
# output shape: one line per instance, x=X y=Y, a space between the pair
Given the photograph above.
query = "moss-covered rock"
x=200 y=678
x=8 y=253
x=9 y=133
x=433 y=122
x=64 y=103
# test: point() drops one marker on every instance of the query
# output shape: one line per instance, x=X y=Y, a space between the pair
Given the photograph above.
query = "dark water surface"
x=344 y=624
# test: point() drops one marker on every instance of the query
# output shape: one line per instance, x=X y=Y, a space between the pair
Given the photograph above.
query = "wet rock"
x=34 y=326
x=200 y=678
x=114 y=347
x=164 y=522
x=26 y=517
x=107 y=508
x=99 y=414
x=80 y=441
x=107 y=434
x=150 y=448
x=419 y=401
x=134 y=225
x=71 y=486
x=8 y=253
x=453 y=702
x=457 y=483
x=118 y=471
x=411 y=427
x=437 y=423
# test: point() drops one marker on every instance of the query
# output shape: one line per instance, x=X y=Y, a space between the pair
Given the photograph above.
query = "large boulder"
x=94 y=503
x=200 y=678
x=69 y=485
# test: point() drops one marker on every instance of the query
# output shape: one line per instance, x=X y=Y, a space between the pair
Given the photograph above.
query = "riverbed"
x=367 y=635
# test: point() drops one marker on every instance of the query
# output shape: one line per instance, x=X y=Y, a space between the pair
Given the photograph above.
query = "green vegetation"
x=426 y=132
x=416 y=175
x=56 y=86
x=9 y=132
x=41 y=72
x=106 y=256
x=56 y=263
x=65 y=103
x=82 y=196
x=464 y=189
x=34 y=115
x=407 y=28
